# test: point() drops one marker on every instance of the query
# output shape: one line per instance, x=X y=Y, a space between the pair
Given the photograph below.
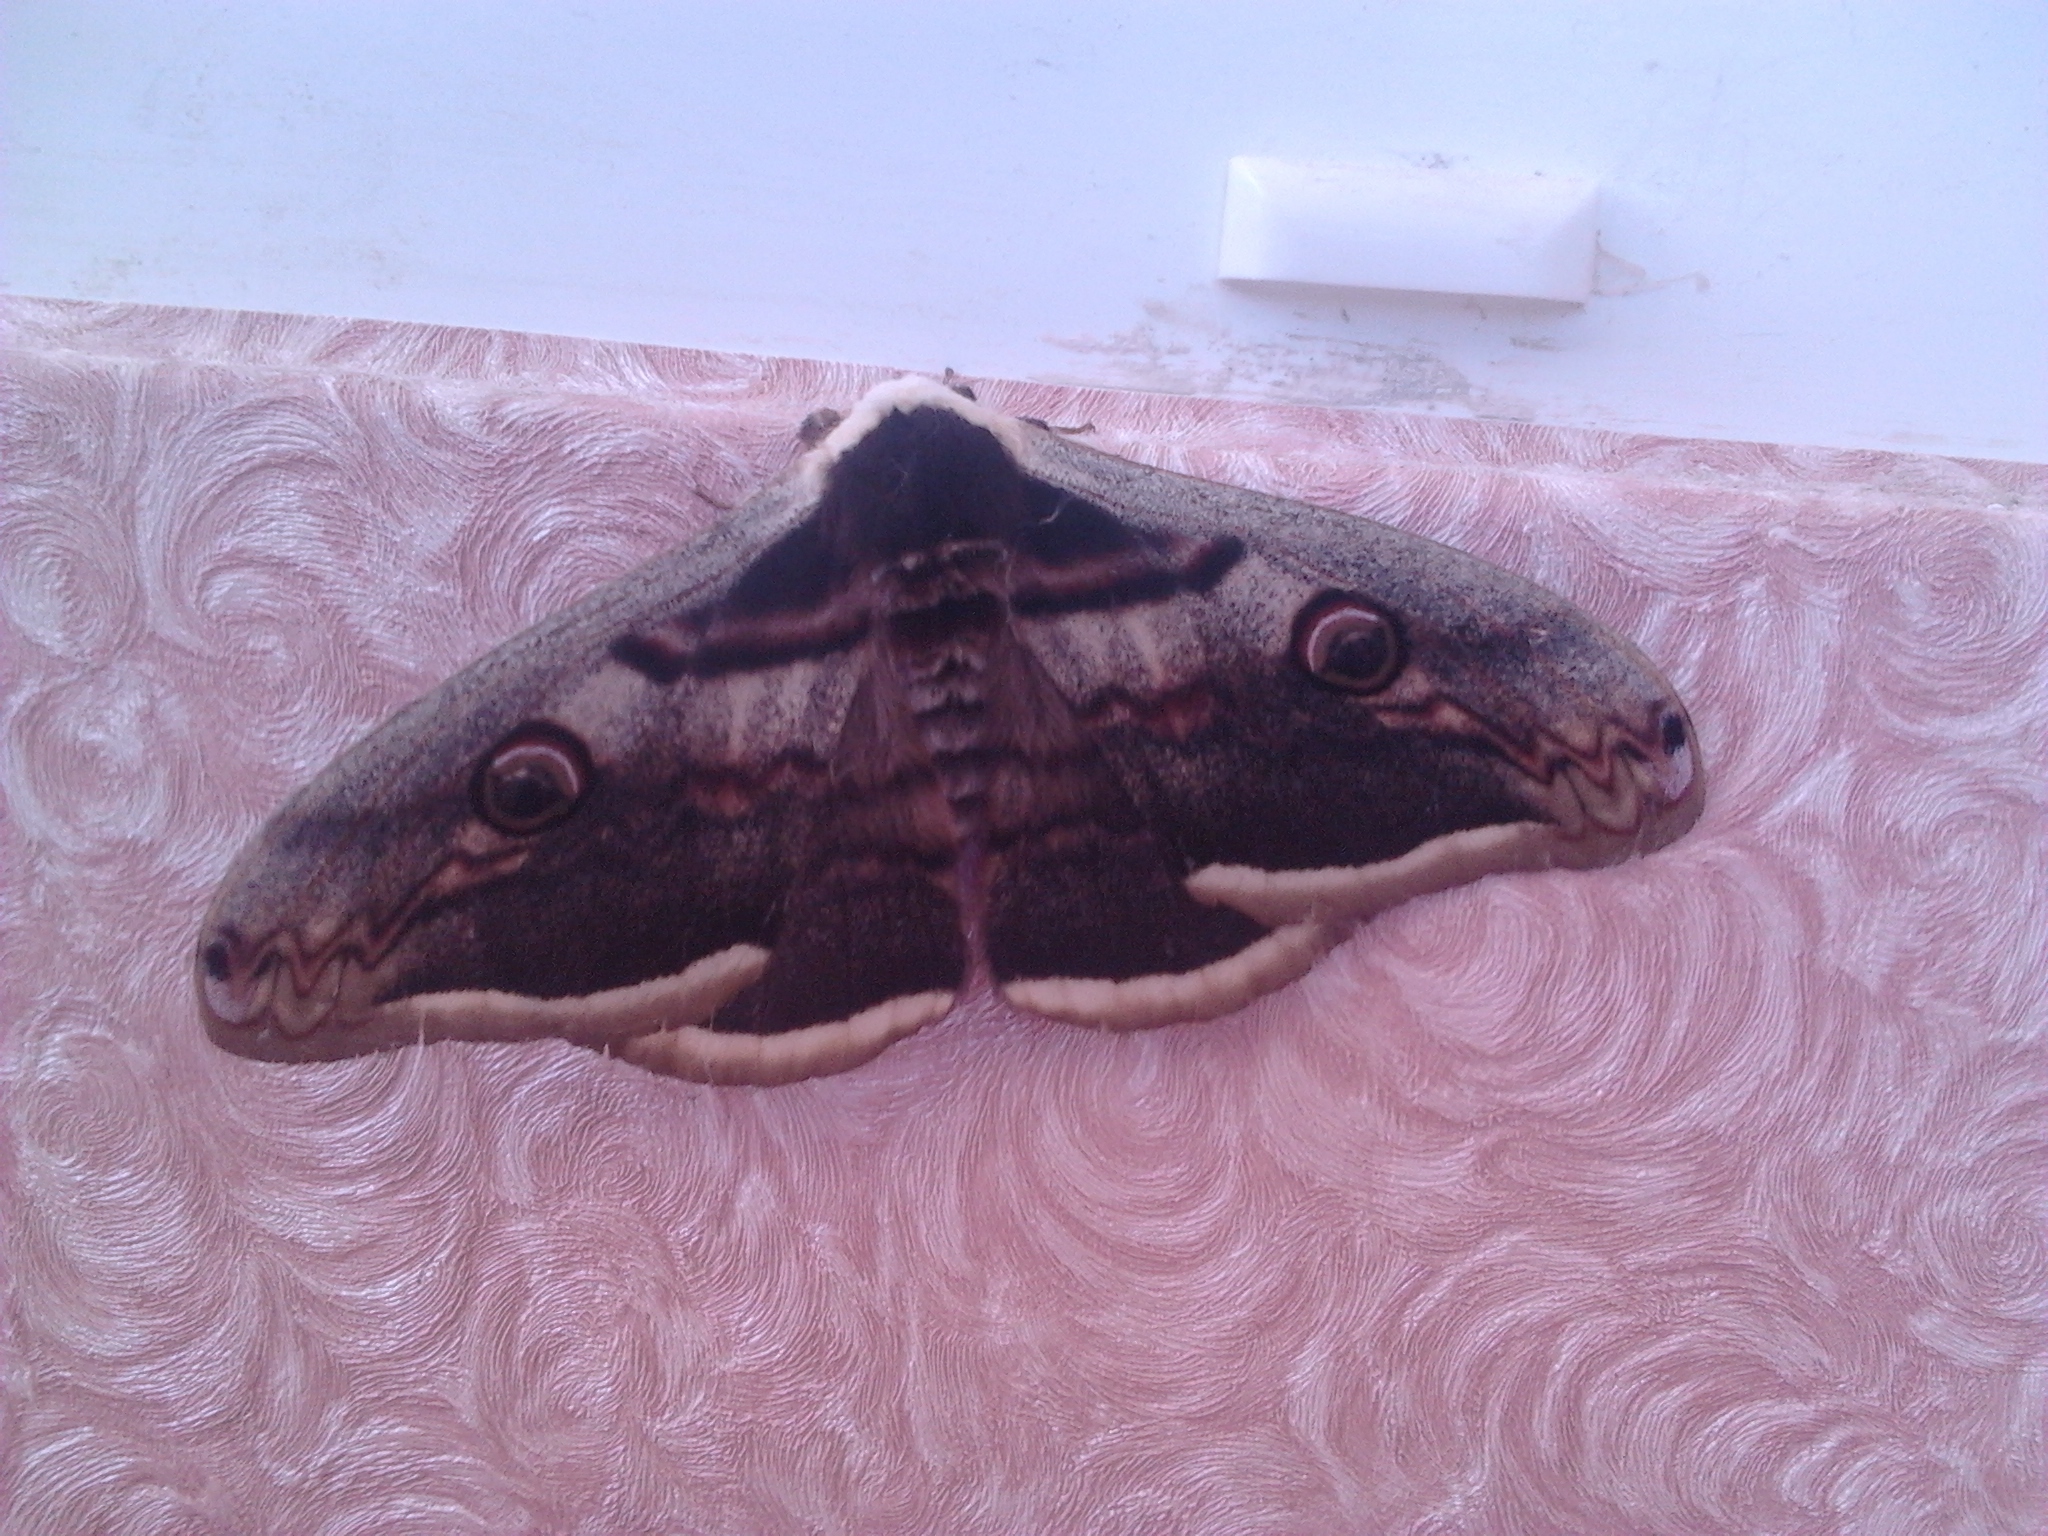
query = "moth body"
x=956 y=697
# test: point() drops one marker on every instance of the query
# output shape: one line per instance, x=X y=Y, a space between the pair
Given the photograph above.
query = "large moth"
x=955 y=701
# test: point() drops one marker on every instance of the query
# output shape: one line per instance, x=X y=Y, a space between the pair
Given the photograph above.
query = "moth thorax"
x=944 y=570
x=944 y=605
x=944 y=612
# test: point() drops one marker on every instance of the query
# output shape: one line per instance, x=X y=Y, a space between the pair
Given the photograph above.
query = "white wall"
x=1828 y=223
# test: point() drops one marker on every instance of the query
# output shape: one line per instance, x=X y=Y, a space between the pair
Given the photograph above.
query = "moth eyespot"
x=217 y=959
x=531 y=780
x=1346 y=642
x=1674 y=733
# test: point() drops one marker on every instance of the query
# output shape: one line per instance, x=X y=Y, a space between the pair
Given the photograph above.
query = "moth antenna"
x=957 y=383
x=814 y=429
x=1059 y=506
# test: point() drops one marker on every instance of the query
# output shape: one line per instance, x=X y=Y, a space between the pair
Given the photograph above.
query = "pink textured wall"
x=1700 y=1195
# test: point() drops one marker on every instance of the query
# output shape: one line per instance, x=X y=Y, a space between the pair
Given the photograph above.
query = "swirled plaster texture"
x=1703 y=1194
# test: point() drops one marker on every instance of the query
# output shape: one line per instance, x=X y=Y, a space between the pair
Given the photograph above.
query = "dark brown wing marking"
x=872 y=916
x=1079 y=884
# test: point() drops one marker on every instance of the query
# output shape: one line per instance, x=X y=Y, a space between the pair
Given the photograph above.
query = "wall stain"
x=1173 y=351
